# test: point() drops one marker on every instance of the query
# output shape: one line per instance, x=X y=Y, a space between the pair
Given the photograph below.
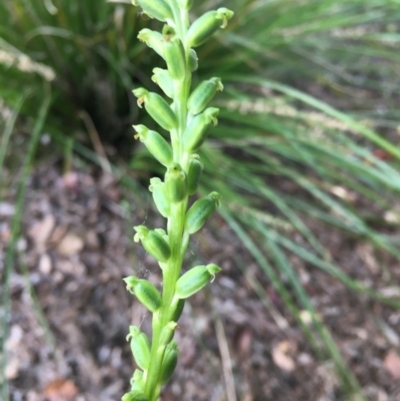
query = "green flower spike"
x=188 y=117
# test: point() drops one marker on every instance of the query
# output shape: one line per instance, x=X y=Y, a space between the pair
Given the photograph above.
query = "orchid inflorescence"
x=187 y=118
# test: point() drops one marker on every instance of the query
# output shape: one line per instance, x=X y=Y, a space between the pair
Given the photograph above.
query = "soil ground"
x=75 y=248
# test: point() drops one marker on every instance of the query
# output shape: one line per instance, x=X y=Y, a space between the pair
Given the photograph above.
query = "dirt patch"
x=76 y=247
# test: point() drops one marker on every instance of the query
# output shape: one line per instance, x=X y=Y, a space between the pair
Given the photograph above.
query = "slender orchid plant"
x=187 y=119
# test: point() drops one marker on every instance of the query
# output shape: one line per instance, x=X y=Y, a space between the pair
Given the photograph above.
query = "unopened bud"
x=164 y=80
x=205 y=26
x=174 y=55
x=175 y=183
x=169 y=362
x=203 y=95
x=167 y=333
x=153 y=243
x=155 y=144
x=178 y=310
x=157 y=187
x=194 y=173
x=195 y=279
x=158 y=9
x=140 y=347
x=193 y=60
x=200 y=211
x=196 y=133
x=145 y=292
x=157 y=107
x=153 y=39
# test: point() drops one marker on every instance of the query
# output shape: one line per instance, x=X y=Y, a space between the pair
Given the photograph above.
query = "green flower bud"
x=203 y=95
x=169 y=362
x=178 y=310
x=193 y=60
x=175 y=183
x=157 y=107
x=164 y=80
x=157 y=187
x=195 y=279
x=152 y=39
x=200 y=211
x=137 y=382
x=156 y=144
x=167 y=333
x=134 y=395
x=140 y=347
x=195 y=133
x=185 y=4
x=158 y=9
x=205 y=26
x=145 y=292
x=174 y=55
x=153 y=243
x=194 y=173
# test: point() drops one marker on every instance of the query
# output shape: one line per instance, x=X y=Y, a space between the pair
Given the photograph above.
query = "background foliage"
x=308 y=129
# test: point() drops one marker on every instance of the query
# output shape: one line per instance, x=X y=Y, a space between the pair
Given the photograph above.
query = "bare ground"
x=76 y=247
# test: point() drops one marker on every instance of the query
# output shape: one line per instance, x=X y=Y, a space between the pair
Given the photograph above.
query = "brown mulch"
x=76 y=247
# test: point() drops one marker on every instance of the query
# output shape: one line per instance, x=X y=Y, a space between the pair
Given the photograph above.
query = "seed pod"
x=185 y=4
x=157 y=107
x=140 y=347
x=205 y=26
x=156 y=144
x=157 y=187
x=194 y=173
x=145 y=292
x=158 y=9
x=164 y=80
x=174 y=55
x=135 y=395
x=153 y=243
x=195 y=133
x=167 y=333
x=175 y=183
x=203 y=95
x=193 y=60
x=153 y=39
x=200 y=211
x=195 y=279
x=169 y=362
x=178 y=310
